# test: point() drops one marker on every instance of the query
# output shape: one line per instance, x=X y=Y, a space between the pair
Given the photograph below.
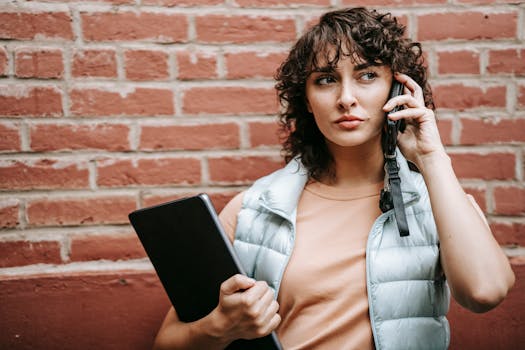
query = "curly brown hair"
x=355 y=32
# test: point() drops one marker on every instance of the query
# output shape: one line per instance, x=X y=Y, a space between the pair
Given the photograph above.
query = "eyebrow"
x=357 y=67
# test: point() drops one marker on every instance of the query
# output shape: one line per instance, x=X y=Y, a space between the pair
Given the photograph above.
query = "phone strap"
x=395 y=198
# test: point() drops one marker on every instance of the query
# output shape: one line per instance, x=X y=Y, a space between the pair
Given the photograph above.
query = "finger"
x=409 y=113
x=410 y=84
x=402 y=100
x=252 y=296
x=236 y=283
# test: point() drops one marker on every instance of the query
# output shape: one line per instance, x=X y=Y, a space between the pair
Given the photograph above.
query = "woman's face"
x=347 y=102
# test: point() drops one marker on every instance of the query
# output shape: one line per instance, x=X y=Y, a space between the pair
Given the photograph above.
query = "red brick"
x=479 y=196
x=509 y=200
x=509 y=233
x=190 y=137
x=227 y=170
x=242 y=65
x=35 y=101
x=467 y=26
x=461 y=97
x=165 y=171
x=39 y=63
x=492 y=166
x=3 y=61
x=510 y=61
x=264 y=134
x=445 y=130
x=196 y=65
x=280 y=3
x=87 y=247
x=521 y=96
x=82 y=310
x=94 y=63
x=483 y=131
x=155 y=27
x=9 y=213
x=393 y=2
x=19 y=253
x=458 y=62
x=146 y=65
x=138 y=102
x=28 y=26
x=43 y=174
x=53 y=137
x=171 y=3
x=229 y=100
x=9 y=137
x=244 y=29
x=80 y=211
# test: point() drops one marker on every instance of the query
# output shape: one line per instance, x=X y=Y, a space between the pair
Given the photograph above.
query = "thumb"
x=236 y=283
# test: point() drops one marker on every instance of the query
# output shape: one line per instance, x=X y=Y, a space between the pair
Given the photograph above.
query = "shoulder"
x=228 y=215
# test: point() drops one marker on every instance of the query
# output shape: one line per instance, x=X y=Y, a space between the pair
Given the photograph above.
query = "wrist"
x=214 y=327
x=432 y=161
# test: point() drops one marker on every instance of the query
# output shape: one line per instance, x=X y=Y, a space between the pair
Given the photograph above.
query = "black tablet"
x=192 y=256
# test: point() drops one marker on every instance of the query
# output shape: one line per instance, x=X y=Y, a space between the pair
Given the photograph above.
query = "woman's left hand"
x=421 y=136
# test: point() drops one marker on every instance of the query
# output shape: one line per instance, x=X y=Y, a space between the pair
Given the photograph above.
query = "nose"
x=347 y=97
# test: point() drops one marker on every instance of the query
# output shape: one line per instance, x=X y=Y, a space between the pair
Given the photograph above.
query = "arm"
x=477 y=270
x=246 y=310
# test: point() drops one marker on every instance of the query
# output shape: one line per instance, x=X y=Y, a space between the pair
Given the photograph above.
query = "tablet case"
x=192 y=257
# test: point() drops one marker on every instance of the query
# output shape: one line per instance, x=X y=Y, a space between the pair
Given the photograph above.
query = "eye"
x=325 y=80
x=368 y=76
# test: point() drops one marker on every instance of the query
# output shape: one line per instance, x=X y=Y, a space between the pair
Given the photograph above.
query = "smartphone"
x=393 y=127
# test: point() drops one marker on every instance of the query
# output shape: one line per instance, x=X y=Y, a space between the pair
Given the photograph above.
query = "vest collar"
x=285 y=188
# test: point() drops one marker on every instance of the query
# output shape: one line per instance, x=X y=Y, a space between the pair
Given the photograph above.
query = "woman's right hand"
x=247 y=309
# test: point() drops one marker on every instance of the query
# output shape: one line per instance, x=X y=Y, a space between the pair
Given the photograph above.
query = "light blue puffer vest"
x=407 y=292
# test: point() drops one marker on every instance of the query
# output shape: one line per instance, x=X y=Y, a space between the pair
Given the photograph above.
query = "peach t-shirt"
x=323 y=300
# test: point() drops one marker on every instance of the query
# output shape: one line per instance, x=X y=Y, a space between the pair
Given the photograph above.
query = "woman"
x=327 y=269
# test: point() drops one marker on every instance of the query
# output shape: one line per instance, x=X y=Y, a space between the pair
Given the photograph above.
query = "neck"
x=357 y=165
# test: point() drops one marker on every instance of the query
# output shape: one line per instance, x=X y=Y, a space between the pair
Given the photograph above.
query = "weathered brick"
x=280 y=3
x=9 y=137
x=190 y=137
x=196 y=65
x=39 y=63
x=43 y=174
x=86 y=247
x=53 y=137
x=461 y=97
x=509 y=233
x=3 y=61
x=485 y=131
x=135 y=102
x=243 y=29
x=41 y=25
x=467 y=25
x=511 y=61
x=146 y=65
x=155 y=27
x=94 y=63
x=80 y=210
x=36 y=101
x=509 y=200
x=491 y=166
x=458 y=62
x=264 y=134
x=164 y=171
x=20 y=253
x=229 y=170
x=9 y=213
x=242 y=65
x=229 y=100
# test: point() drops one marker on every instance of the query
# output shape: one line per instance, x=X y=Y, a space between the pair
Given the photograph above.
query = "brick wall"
x=111 y=105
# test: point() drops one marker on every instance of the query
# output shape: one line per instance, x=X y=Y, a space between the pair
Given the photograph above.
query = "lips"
x=349 y=122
